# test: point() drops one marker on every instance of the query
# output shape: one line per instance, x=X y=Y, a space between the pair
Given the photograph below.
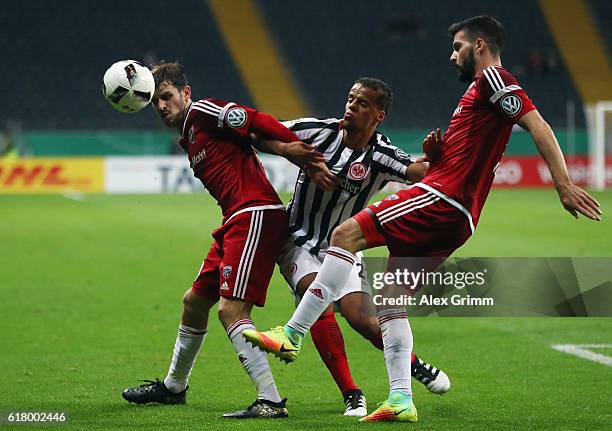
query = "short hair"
x=171 y=73
x=384 y=96
x=485 y=26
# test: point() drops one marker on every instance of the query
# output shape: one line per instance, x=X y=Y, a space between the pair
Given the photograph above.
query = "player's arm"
x=296 y=151
x=574 y=199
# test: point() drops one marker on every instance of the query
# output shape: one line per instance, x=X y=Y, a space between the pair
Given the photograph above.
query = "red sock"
x=378 y=343
x=328 y=340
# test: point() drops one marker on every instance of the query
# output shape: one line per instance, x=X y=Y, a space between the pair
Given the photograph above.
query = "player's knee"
x=341 y=236
x=193 y=302
x=348 y=236
x=231 y=310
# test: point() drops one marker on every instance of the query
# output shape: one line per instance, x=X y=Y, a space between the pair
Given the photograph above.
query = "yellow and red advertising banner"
x=51 y=175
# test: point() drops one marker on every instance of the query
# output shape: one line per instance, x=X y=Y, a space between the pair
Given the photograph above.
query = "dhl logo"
x=43 y=176
x=31 y=175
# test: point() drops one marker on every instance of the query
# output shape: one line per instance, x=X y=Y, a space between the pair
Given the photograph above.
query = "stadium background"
x=74 y=265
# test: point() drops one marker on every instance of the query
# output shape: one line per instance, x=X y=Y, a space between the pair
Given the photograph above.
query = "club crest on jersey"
x=357 y=171
x=191 y=136
x=392 y=197
x=227 y=271
x=511 y=105
x=401 y=154
x=236 y=117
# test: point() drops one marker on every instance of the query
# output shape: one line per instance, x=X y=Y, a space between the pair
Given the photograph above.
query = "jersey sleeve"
x=500 y=90
x=214 y=115
x=391 y=161
x=312 y=130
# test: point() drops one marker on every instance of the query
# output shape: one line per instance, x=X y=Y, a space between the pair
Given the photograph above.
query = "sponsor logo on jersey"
x=236 y=117
x=293 y=268
x=197 y=158
x=401 y=154
x=227 y=271
x=357 y=171
x=511 y=104
x=353 y=187
x=191 y=136
x=458 y=110
x=224 y=286
x=316 y=291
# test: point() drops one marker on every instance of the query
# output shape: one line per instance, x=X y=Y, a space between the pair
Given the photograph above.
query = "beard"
x=466 y=70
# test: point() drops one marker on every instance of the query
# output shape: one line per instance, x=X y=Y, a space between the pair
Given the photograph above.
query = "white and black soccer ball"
x=128 y=86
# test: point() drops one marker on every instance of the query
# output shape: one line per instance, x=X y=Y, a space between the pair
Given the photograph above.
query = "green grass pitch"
x=90 y=301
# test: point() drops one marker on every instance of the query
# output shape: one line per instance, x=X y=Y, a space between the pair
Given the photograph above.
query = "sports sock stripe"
x=341 y=256
x=238 y=323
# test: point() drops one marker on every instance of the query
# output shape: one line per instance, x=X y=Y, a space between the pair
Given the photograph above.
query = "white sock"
x=186 y=348
x=324 y=290
x=397 y=341
x=254 y=361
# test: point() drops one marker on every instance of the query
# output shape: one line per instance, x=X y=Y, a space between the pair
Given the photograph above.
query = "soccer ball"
x=128 y=86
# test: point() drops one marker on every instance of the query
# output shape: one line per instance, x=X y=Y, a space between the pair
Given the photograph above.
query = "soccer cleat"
x=261 y=409
x=274 y=341
x=387 y=411
x=153 y=392
x=355 y=403
x=434 y=379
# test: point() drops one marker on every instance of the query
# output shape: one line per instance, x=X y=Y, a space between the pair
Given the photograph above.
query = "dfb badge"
x=227 y=271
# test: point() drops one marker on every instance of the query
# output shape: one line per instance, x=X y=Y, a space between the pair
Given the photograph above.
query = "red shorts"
x=414 y=223
x=241 y=260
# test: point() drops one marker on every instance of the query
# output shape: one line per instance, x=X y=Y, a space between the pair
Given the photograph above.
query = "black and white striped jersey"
x=314 y=213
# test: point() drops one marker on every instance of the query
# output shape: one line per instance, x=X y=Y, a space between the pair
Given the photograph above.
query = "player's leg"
x=248 y=263
x=197 y=302
x=347 y=239
x=356 y=307
x=327 y=338
x=416 y=224
x=285 y=342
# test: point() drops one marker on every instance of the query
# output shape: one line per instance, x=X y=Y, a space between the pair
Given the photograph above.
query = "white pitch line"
x=582 y=351
x=74 y=196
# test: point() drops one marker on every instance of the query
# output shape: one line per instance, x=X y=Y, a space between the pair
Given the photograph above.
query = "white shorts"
x=297 y=262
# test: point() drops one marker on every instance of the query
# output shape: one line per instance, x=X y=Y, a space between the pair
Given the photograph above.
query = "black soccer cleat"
x=153 y=392
x=261 y=409
x=434 y=379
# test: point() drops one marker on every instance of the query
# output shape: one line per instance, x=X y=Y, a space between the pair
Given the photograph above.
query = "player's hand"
x=320 y=174
x=417 y=170
x=575 y=200
x=432 y=147
x=301 y=154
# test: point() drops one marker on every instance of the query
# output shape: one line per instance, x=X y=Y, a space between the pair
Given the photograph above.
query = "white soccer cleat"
x=356 y=404
x=434 y=379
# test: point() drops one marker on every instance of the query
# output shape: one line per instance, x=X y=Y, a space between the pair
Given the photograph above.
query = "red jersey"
x=476 y=139
x=215 y=137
